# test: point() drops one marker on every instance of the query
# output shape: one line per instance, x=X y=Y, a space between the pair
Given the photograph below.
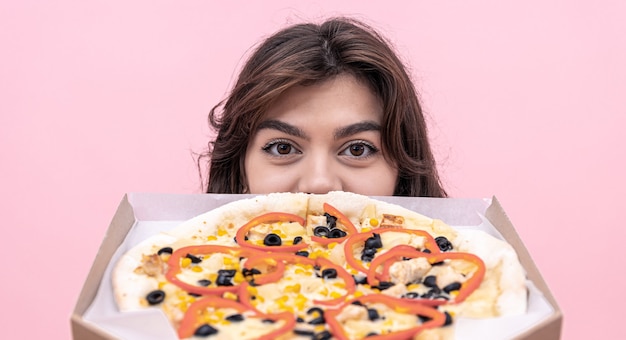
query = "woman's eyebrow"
x=283 y=127
x=353 y=129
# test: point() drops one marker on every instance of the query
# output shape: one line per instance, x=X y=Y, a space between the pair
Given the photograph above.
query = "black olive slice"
x=250 y=272
x=272 y=240
x=321 y=231
x=411 y=295
x=367 y=258
x=205 y=330
x=329 y=273
x=424 y=318
x=155 y=297
x=323 y=335
x=448 y=319
x=204 y=282
x=337 y=233
x=224 y=277
x=317 y=321
x=452 y=287
x=303 y=332
x=443 y=243
x=374 y=242
x=372 y=314
x=317 y=310
x=331 y=221
x=194 y=259
x=165 y=250
x=360 y=280
x=369 y=251
x=235 y=318
x=297 y=239
x=430 y=281
x=382 y=285
x=302 y=253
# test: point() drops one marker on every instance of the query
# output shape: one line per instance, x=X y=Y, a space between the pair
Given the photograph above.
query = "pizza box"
x=141 y=214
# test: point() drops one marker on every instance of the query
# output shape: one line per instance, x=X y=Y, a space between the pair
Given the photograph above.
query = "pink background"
x=99 y=98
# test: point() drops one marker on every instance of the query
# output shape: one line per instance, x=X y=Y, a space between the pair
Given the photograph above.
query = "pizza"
x=333 y=266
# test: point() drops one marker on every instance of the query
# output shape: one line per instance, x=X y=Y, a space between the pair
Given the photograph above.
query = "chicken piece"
x=446 y=275
x=352 y=312
x=151 y=265
x=408 y=271
x=392 y=221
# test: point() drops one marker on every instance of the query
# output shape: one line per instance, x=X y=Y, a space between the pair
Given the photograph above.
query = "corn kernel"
x=335 y=295
x=300 y=301
x=293 y=288
x=162 y=284
x=238 y=278
x=196 y=269
x=332 y=245
x=211 y=238
x=373 y=222
x=366 y=229
x=221 y=232
x=358 y=293
x=230 y=295
x=412 y=286
x=227 y=261
x=185 y=262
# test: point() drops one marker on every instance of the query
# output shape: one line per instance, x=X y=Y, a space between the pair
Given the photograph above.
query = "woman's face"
x=321 y=138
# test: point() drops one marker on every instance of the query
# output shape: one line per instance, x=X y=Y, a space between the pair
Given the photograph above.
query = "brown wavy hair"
x=305 y=54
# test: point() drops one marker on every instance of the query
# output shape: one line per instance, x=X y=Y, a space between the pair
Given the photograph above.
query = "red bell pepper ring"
x=343 y=219
x=430 y=243
x=271 y=217
x=191 y=319
x=174 y=268
x=436 y=318
x=467 y=287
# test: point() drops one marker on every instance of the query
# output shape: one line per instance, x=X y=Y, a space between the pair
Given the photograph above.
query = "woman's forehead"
x=343 y=99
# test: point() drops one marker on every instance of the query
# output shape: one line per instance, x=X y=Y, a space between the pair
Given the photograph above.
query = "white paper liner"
x=152 y=323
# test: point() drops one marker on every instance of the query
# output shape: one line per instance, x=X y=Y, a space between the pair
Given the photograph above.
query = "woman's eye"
x=280 y=148
x=359 y=150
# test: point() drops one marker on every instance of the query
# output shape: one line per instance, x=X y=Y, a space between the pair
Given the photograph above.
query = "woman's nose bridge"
x=320 y=175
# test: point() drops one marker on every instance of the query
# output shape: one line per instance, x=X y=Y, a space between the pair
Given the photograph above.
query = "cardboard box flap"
x=551 y=327
x=122 y=222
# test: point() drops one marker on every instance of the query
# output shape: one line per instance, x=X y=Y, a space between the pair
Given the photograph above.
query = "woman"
x=318 y=108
